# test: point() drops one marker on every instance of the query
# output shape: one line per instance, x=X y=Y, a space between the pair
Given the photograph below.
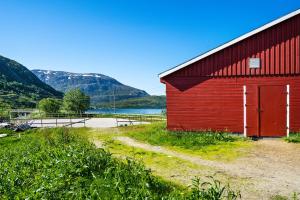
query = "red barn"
x=249 y=85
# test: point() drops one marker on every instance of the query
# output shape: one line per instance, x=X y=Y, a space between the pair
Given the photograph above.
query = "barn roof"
x=234 y=41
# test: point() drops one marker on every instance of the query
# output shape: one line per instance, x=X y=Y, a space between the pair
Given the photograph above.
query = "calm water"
x=127 y=111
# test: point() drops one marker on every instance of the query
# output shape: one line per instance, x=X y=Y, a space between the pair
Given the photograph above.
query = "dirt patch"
x=272 y=167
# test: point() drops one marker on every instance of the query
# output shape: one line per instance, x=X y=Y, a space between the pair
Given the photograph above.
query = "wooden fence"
x=68 y=120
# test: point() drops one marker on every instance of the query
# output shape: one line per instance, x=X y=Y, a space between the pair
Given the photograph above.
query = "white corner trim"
x=245 y=110
x=264 y=27
x=288 y=110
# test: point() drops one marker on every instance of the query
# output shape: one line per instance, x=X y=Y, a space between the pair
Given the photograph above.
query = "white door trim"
x=245 y=110
x=287 y=110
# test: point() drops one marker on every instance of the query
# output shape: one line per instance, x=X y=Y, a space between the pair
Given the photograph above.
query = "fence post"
x=70 y=120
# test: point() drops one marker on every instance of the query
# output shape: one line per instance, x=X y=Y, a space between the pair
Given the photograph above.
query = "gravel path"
x=272 y=166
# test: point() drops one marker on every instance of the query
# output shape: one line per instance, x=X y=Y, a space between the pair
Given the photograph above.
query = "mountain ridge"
x=19 y=87
x=101 y=88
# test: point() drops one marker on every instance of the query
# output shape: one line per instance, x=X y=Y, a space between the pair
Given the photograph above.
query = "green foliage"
x=76 y=101
x=141 y=102
x=212 y=190
x=55 y=164
x=58 y=164
x=157 y=134
x=50 y=105
x=293 y=138
x=4 y=110
x=7 y=131
x=19 y=87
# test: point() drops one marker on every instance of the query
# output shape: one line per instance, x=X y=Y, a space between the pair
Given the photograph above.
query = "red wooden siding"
x=208 y=94
x=277 y=48
x=217 y=103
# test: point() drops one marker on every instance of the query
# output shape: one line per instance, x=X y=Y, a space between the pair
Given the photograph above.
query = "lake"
x=138 y=111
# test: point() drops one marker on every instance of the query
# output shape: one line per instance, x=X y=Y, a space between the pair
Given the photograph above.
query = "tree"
x=76 y=101
x=4 y=110
x=49 y=105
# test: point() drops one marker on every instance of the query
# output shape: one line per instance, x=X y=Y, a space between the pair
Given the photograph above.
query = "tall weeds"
x=58 y=164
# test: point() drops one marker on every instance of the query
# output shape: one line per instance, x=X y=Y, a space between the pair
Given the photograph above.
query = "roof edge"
x=234 y=41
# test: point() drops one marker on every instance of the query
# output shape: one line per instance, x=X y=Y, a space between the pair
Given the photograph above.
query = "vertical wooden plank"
x=238 y=65
x=267 y=53
x=244 y=72
x=258 y=49
x=282 y=49
x=277 y=51
x=210 y=66
x=219 y=60
x=197 y=69
x=247 y=56
x=287 y=56
x=297 y=46
x=252 y=52
x=200 y=68
x=272 y=53
x=229 y=61
x=204 y=62
x=233 y=59
x=262 y=53
x=216 y=65
x=292 y=51
x=224 y=62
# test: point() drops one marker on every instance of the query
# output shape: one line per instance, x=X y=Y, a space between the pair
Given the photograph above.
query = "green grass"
x=61 y=164
x=293 y=138
x=209 y=145
x=161 y=164
x=55 y=163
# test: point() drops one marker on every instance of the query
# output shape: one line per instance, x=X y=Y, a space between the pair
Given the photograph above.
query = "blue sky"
x=130 y=40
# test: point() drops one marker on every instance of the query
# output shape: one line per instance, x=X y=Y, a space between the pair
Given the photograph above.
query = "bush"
x=212 y=190
x=293 y=138
x=76 y=101
x=49 y=105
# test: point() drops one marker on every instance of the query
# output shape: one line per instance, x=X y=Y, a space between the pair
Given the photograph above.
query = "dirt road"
x=272 y=167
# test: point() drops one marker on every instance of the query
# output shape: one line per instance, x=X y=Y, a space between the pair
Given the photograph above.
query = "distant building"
x=249 y=85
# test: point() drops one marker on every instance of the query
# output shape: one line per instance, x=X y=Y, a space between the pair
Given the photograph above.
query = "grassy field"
x=294 y=138
x=60 y=163
x=208 y=145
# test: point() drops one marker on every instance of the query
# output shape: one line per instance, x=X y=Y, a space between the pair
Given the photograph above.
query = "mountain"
x=141 y=102
x=19 y=87
x=99 y=87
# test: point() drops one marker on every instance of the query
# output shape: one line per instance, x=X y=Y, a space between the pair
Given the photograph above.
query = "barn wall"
x=277 y=47
x=197 y=103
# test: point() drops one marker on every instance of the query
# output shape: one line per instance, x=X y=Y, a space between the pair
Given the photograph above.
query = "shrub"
x=49 y=105
x=212 y=190
x=76 y=101
x=293 y=138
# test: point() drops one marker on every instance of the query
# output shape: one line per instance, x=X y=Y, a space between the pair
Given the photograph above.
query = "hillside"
x=142 y=102
x=19 y=87
x=99 y=87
